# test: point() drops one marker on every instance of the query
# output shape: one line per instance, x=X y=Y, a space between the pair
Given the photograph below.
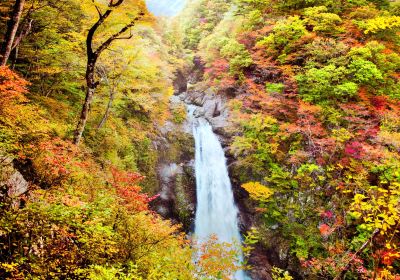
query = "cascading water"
x=216 y=213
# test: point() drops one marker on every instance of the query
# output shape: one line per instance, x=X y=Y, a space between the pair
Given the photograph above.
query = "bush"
x=395 y=9
x=364 y=12
x=301 y=4
x=322 y=21
x=284 y=34
x=374 y=64
x=272 y=87
x=381 y=24
x=365 y=72
x=238 y=56
x=387 y=62
x=256 y=145
x=326 y=85
x=320 y=51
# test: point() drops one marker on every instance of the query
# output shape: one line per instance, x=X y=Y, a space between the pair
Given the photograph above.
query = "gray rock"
x=16 y=185
x=12 y=183
x=220 y=125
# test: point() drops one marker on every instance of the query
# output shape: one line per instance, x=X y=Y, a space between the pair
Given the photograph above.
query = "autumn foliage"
x=126 y=185
x=71 y=223
x=12 y=91
x=315 y=139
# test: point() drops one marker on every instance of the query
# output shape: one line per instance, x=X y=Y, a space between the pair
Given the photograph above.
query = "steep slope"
x=70 y=212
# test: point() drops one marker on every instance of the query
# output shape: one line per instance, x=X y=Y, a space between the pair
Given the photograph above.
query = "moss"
x=179 y=113
x=184 y=205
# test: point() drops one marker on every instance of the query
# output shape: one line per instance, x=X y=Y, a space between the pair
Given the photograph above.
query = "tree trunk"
x=12 y=28
x=108 y=109
x=93 y=55
x=14 y=57
x=90 y=89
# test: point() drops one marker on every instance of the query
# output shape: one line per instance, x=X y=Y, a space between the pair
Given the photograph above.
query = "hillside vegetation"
x=84 y=215
x=314 y=99
x=316 y=112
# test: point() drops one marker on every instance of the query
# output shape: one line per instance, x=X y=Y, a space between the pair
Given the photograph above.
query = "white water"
x=216 y=212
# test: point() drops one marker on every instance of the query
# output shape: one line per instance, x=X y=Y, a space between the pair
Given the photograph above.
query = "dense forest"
x=304 y=96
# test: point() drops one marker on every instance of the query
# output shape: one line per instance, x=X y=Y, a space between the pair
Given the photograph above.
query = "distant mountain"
x=165 y=7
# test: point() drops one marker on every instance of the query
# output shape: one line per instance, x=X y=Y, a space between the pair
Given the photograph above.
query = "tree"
x=12 y=28
x=117 y=74
x=94 y=54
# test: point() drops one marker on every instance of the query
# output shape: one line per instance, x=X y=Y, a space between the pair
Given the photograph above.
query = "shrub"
x=179 y=114
x=258 y=191
x=274 y=87
x=284 y=34
x=237 y=54
x=322 y=21
x=385 y=60
x=365 y=72
x=381 y=24
x=364 y=12
x=395 y=9
x=321 y=50
x=326 y=85
x=301 y=4
x=256 y=146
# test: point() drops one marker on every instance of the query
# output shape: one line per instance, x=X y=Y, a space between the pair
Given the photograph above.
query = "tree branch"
x=113 y=5
x=117 y=35
x=93 y=30
x=24 y=32
x=97 y=9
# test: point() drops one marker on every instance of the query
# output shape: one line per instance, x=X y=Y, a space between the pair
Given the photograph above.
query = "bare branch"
x=93 y=30
x=117 y=35
x=97 y=9
x=124 y=38
x=116 y=4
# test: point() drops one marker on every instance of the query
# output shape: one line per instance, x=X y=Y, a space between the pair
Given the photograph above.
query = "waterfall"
x=216 y=212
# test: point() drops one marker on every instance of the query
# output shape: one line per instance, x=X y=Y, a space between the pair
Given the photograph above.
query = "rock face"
x=260 y=261
x=211 y=106
x=12 y=182
x=16 y=185
x=180 y=83
x=175 y=170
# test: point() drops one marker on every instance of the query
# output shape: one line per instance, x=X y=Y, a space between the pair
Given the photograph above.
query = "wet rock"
x=12 y=182
x=262 y=268
x=196 y=98
x=175 y=147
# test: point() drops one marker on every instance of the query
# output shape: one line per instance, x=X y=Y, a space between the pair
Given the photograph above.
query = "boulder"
x=16 y=185
x=12 y=182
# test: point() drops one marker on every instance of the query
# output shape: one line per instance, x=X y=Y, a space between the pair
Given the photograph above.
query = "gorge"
x=200 y=139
